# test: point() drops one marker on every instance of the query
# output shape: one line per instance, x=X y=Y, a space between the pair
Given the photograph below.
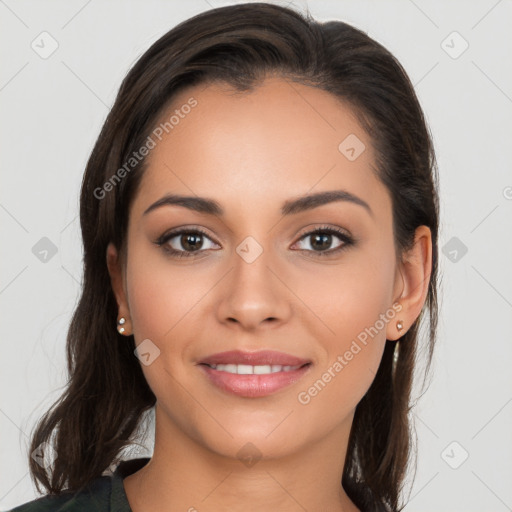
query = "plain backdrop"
x=458 y=55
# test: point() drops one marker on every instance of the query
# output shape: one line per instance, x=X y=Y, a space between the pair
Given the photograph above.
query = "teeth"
x=247 y=369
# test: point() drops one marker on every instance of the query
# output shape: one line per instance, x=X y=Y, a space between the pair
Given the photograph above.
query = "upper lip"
x=262 y=357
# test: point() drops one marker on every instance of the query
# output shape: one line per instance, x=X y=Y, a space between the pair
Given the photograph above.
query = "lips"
x=253 y=374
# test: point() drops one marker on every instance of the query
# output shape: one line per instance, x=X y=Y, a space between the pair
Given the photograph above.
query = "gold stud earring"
x=120 y=324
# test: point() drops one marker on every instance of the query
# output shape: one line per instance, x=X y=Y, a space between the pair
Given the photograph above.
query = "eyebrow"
x=290 y=207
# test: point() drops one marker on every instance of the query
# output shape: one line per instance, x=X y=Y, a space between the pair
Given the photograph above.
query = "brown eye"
x=322 y=239
x=183 y=242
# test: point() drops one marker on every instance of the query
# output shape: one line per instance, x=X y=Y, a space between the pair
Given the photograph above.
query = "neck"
x=183 y=474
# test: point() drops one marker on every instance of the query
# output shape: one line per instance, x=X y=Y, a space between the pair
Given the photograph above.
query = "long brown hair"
x=107 y=394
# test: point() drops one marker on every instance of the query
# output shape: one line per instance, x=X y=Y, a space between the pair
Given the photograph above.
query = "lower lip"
x=253 y=386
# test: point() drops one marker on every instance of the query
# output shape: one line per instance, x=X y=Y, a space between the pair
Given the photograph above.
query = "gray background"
x=52 y=109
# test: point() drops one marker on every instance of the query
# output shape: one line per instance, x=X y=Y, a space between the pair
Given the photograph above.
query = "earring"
x=120 y=324
x=396 y=353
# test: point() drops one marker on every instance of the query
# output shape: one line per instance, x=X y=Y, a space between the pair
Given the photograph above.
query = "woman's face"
x=259 y=278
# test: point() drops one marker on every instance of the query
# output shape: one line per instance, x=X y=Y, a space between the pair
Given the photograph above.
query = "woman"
x=260 y=222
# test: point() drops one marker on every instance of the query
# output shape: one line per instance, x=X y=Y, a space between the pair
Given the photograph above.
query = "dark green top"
x=104 y=494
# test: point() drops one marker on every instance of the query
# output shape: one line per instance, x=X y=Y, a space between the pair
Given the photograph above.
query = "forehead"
x=280 y=140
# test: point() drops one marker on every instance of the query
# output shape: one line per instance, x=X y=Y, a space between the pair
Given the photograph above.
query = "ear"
x=116 y=272
x=411 y=285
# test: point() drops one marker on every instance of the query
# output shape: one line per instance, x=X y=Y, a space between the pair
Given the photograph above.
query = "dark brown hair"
x=107 y=394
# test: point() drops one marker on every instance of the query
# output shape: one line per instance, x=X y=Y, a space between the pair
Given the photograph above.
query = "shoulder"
x=95 y=497
x=104 y=494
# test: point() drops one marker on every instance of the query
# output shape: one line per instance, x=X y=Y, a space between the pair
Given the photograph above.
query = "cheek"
x=160 y=293
x=164 y=304
x=354 y=309
x=350 y=297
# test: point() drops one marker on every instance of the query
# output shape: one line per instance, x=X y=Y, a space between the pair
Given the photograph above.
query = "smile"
x=247 y=369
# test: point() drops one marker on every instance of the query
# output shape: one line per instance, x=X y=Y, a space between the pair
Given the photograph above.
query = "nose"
x=254 y=294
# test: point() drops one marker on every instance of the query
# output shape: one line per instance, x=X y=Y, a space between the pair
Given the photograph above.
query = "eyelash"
x=344 y=237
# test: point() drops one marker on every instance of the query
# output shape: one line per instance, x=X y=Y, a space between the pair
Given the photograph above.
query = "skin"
x=251 y=152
